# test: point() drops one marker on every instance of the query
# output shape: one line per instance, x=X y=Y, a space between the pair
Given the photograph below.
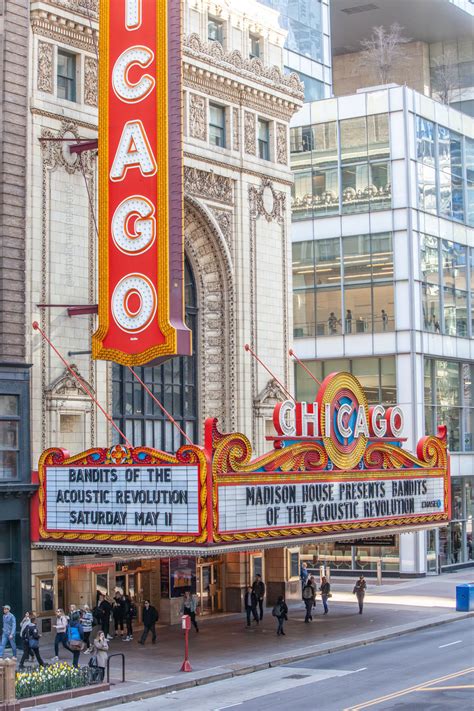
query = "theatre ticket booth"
x=207 y=519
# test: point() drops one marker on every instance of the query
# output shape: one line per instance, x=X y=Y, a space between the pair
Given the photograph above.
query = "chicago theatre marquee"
x=207 y=518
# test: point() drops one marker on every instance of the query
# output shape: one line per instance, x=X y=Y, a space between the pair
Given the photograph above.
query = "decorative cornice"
x=62 y=29
x=238 y=169
x=61 y=118
x=288 y=85
x=86 y=8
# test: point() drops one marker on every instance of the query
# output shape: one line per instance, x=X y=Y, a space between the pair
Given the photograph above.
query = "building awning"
x=129 y=552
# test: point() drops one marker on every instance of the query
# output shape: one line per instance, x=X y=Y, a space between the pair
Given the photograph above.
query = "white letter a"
x=133 y=151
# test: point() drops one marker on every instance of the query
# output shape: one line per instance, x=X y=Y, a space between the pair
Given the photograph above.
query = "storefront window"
x=174 y=384
x=46 y=594
x=455 y=540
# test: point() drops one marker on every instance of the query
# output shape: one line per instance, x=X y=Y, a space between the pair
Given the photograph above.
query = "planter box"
x=65 y=695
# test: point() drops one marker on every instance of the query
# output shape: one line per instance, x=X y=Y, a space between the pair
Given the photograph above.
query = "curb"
x=223 y=673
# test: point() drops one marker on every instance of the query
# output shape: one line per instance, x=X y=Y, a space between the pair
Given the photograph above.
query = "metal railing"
x=111 y=656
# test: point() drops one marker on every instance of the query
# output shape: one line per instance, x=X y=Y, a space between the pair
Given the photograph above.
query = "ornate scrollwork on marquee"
x=431 y=451
x=119 y=455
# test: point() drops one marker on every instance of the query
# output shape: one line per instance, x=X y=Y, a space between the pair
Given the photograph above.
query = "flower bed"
x=47 y=680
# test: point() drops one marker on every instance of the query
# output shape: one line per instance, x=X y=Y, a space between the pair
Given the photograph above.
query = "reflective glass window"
x=425 y=141
x=306 y=388
x=431 y=307
x=426 y=187
x=303 y=264
x=304 y=313
x=328 y=262
x=328 y=312
x=66 y=75
x=429 y=261
x=263 y=139
x=383 y=307
x=215 y=30
x=217 y=125
x=353 y=139
x=367 y=371
x=9 y=436
x=255 y=42
x=378 y=136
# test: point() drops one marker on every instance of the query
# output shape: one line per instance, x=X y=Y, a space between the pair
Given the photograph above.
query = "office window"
x=66 y=75
x=217 y=125
x=255 y=46
x=9 y=436
x=377 y=375
x=449 y=400
x=445 y=275
x=215 y=30
x=263 y=139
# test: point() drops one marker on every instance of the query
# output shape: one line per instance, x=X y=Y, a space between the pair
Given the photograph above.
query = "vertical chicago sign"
x=141 y=309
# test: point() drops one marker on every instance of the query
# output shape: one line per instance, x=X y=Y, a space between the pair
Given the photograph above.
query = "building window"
x=263 y=139
x=377 y=376
x=174 y=384
x=217 y=125
x=9 y=436
x=445 y=172
x=255 y=46
x=354 y=179
x=66 y=75
x=215 y=30
x=449 y=400
x=294 y=563
x=445 y=284
x=313 y=88
x=352 y=294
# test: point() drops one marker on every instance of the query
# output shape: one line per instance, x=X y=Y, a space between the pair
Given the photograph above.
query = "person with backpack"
x=30 y=637
x=308 y=599
x=105 y=609
x=23 y=624
x=359 y=591
x=258 y=588
x=150 y=618
x=325 y=590
x=280 y=611
x=75 y=634
x=251 y=605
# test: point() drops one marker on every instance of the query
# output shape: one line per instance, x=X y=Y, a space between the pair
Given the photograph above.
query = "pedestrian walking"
x=359 y=590
x=118 y=612
x=26 y=621
x=251 y=605
x=280 y=611
x=150 y=618
x=130 y=613
x=309 y=600
x=325 y=590
x=101 y=646
x=75 y=634
x=304 y=575
x=61 y=633
x=30 y=637
x=188 y=607
x=87 y=621
x=258 y=588
x=8 y=630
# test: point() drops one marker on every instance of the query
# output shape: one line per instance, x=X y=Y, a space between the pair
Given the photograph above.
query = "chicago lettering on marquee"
x=336 y=467
x=141 y=252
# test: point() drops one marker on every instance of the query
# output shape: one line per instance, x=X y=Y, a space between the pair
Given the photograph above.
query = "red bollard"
x=186 y=626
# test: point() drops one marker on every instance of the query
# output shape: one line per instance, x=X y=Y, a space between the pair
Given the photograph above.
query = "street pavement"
x=430 y=669
x=225 y=647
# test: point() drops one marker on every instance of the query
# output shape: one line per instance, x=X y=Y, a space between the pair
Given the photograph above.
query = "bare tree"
x=445 y=76
x=383 y=49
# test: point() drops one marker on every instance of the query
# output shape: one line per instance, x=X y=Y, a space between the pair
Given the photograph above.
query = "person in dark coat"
x=30 y=637
x=325 y=590
x=308 y=599
x=280 y=611
x=150 y=618
x=105 y=609
x=251 y=605
x=129 y=609
x=118 y=612
x=359 y=590
x=258 y=588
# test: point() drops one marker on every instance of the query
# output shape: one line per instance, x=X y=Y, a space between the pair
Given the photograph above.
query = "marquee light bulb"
x=123 y=87
x=138 y=238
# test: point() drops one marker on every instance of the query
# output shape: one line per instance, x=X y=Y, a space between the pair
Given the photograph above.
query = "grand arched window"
x=173 y=384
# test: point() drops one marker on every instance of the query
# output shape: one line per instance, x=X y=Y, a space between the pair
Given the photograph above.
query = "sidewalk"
x=225 y=647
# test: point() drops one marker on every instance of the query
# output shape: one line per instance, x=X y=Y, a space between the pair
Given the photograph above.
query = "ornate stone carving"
x=248 y=68
x=57 y=154
x=212 y=268
x=250 y=135
x=268 y=398
x=45 y=76
x=90 y=81
x=235 y=130
x=88 y=8
x=267 y=202
x=197 y=117
x=224 y=220
x=67 y=387
x=70 y=32
x=281 y=144
x=208 y=185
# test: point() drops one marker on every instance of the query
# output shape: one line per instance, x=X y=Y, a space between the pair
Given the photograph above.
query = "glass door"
x=209 y=588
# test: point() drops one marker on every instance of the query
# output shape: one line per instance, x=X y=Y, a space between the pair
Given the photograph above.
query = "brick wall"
x=14 y=22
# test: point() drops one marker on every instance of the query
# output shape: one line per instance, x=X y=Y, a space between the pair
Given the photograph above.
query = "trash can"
x=465 y=597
